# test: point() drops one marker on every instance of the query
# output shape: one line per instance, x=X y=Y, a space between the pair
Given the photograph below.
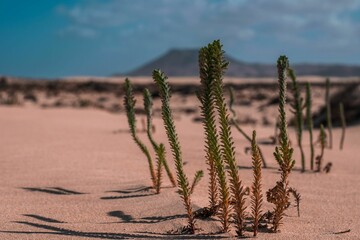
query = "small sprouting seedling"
x=309 y=122
x=343 y=125
x=233 y=122
x=210 y=66
x=227 y=144
x=256 y=197
x=297 y=198
x=129 y=102
x=182 y=180
x=327 y=167
x=297 y=108
x=328 y=111
x=148 y=103
x=283 y=154
x=320 y=158
x=247 y=150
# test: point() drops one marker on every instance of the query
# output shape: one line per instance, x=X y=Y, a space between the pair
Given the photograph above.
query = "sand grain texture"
x=76 y=174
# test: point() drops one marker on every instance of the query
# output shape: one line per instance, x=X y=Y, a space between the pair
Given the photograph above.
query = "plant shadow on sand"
x=133 y=190
x=52 y=230
x=136 y=192
x=140 y=191
x=119 y=131
x=44 y=219
x=126 y=196
x=53 y=190
x=125 y=218
x=196 y=236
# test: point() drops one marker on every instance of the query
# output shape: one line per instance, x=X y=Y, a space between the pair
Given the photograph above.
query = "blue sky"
x=56 y=38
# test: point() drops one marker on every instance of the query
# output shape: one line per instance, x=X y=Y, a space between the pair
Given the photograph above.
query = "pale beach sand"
x=77 y=174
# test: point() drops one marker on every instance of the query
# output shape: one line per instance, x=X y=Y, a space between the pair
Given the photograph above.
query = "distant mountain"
x=184 y=62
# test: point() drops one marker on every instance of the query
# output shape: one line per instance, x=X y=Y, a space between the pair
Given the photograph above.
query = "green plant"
x=343 y=125
x=198 y=176
x=208 y=74
x=227 y=144
x=276 y=132
x=297 y=107
x=233 y=122
x=320 y=158
x=309 y=122
x=160 y=157
x=160 y=152
x=129 y=102
x=256 y=197
x=182 y=180
x=328 y=111
x=279 y=195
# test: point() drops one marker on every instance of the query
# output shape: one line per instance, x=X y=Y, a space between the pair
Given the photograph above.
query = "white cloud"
x=80 y=31
x=320 y=24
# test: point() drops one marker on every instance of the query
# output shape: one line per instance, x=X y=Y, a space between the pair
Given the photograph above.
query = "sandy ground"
x=69 y=174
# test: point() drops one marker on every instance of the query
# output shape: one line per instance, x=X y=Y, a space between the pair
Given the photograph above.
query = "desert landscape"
x=181 y=119
x=70 y=169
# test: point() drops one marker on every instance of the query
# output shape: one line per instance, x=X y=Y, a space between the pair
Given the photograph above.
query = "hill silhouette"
x=184 y=62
